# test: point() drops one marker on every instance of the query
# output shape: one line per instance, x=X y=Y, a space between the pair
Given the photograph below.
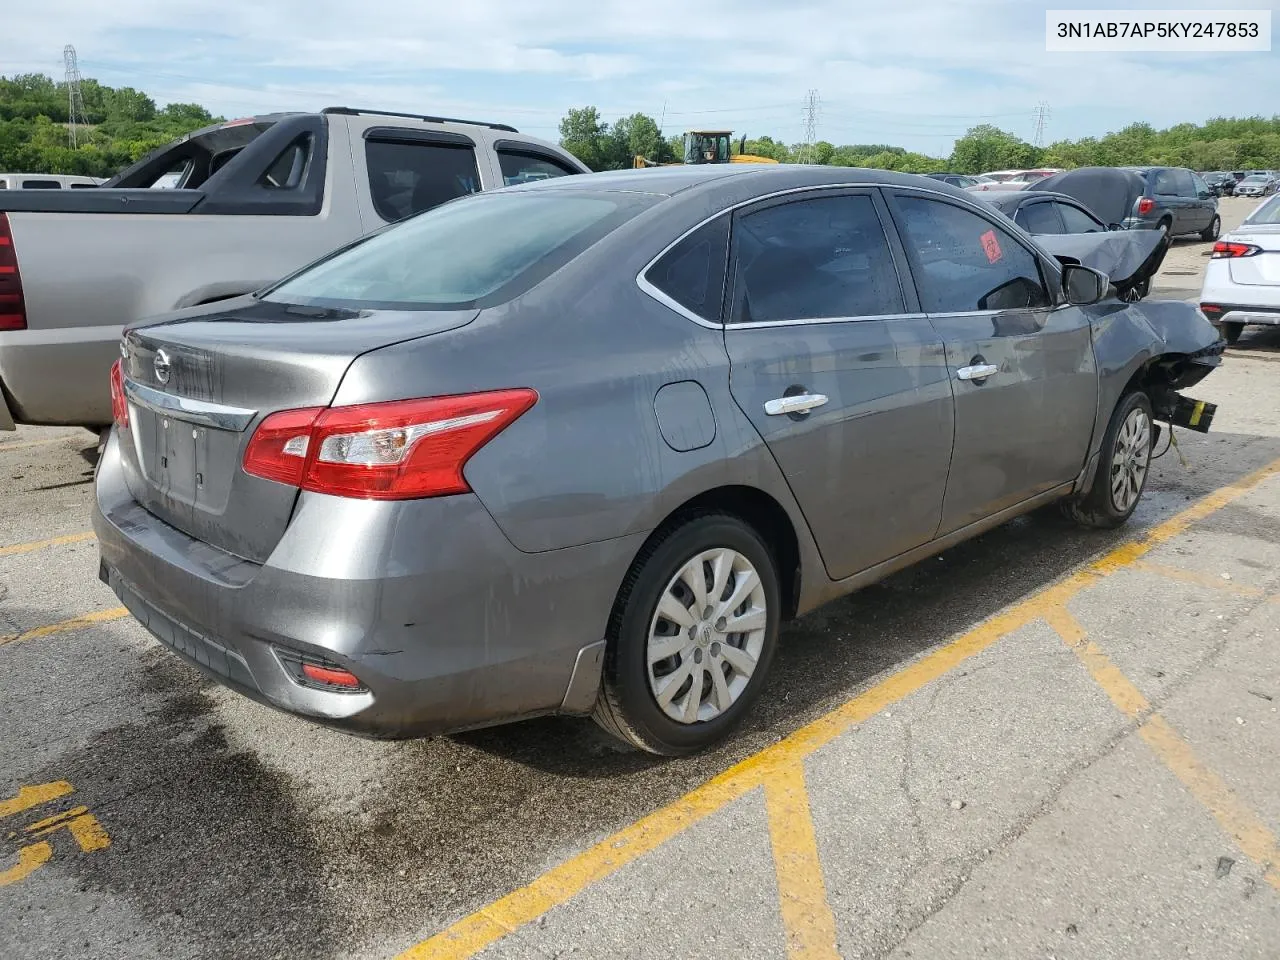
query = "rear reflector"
x=13 y=306
x=1224 y=250
x=402 y=450
x=330 y=675
x=119 y=404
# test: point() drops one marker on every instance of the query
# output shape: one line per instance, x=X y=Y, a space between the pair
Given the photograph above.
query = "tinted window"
x=83 y=186
x=41 y=185
x=524 y=167
x=1076 y=220
x=1165 y=181
x=692 y=272
x=1186 y=187
x=1038 y=218
x=964 y=262
x=814 y=259
x=475 y=253
x=408 y=177
x=1198 y=186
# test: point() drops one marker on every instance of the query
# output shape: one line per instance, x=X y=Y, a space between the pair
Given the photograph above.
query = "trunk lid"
x=1264 y=268
x=200 y=381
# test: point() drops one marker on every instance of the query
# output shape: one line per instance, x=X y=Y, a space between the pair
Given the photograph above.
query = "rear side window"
x=1038 y=218
x=476 y=253
x=408 y=177
x=1165 y=183
x=520 y=167
x=41 y=185
x=814 y=259
x=692 y=273
x=964 y=263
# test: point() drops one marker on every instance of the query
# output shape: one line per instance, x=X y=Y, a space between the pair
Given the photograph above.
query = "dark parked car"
x=1177 y=201
x=1220 y=182
x=580 y=446
x=1039 y=212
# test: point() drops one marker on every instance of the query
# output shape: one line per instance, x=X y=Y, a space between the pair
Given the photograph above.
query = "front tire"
x=1211 y=232
x=678 y=677
x=1123 y=465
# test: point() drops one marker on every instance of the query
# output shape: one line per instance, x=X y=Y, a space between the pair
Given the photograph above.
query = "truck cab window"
x=408 y=177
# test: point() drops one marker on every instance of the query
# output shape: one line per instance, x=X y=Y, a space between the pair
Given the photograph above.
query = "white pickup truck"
x=217 y=214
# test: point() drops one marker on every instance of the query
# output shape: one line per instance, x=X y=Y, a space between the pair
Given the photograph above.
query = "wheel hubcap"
x=1130 y=460
x=706 y=636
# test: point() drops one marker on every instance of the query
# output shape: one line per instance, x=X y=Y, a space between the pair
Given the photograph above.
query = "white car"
x=1242 y=279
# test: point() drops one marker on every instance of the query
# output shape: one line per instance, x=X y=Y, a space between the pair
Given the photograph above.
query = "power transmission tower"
x=810 y=126
x=75 y=103
x=1042 y=116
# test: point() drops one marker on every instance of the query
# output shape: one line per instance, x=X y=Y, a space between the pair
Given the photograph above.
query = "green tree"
x=582 y=133
x=986 y=147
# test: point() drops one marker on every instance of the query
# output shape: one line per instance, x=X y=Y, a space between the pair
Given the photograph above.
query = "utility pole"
x=1042 y=116
x=810 y=126
x=75 y=103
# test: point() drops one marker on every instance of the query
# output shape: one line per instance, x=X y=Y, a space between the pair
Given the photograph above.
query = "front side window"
x=410 y=176
x=964 y=262
x=526 y=167
x=814 y=259
x=1038 y=218
x=475 y=253
x=1076 y=220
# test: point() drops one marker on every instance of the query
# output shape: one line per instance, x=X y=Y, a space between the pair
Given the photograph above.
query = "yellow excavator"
x=708 y=146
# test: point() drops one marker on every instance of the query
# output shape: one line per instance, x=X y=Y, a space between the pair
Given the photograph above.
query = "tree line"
x=123 y=124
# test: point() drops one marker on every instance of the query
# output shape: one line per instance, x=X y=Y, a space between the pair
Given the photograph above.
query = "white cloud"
x=910 y=73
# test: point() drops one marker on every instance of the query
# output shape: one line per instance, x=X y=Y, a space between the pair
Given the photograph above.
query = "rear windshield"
x=471 y=253
x=1268 y=213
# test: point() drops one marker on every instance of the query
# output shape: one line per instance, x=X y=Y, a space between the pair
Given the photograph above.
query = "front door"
x=841 y=374
x=1021 y=368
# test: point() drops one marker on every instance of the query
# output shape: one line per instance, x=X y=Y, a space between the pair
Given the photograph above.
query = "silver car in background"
x=580 y=446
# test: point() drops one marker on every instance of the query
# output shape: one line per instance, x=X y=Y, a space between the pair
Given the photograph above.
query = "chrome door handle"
x=799 y=403
x=979 y=371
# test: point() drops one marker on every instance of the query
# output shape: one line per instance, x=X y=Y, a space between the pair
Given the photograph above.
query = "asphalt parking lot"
x=1046 y=743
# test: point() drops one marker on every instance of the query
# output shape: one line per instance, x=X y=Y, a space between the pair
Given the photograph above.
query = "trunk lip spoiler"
x=201 y=412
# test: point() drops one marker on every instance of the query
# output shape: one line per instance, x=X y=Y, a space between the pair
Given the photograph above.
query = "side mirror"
x=1084 y=285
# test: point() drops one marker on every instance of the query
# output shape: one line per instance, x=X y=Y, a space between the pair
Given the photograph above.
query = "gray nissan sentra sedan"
x=581 y=446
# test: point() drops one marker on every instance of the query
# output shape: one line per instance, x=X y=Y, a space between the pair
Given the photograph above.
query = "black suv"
x=1177 y=201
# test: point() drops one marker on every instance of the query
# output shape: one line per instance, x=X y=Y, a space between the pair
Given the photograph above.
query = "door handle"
x=977 y=371
x=797 y=403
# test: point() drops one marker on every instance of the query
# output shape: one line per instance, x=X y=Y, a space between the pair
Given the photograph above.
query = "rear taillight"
x=1146 y=205
x=119 y=405
x=402 y=450
x=13 y=306
x=1224 y=250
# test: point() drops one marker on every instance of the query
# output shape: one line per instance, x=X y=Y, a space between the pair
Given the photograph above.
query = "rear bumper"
x=1262 y=316
x=59 y=377
x=445 y=623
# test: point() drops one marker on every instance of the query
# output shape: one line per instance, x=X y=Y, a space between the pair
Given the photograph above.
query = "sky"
x=915 y=73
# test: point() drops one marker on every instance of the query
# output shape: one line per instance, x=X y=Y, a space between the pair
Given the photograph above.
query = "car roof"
x=1014 y=198
x=767 y=178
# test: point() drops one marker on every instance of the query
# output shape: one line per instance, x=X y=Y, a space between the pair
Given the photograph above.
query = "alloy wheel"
x=1130 y=460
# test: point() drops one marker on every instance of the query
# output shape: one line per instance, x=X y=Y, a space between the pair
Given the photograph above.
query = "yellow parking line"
x=1252 y=836
x=75 y=623
x=18 y=548
x=802 y=893
x=475 y=932
x=1198 y=579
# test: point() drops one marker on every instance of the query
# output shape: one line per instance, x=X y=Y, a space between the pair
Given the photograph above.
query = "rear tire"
x=651 y=705
x=1211 y=232
x=1231 y=331
x=1123 y=465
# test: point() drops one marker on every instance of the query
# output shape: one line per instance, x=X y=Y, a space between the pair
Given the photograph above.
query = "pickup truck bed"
x=218 y=214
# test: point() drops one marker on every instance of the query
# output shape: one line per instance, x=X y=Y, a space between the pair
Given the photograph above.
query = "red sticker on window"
x=991 y=246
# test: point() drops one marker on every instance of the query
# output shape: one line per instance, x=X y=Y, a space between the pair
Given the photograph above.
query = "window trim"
x=910 y=296
x=534 y=151
x=1102 y=227
x=411 y=135
x=1050 y=279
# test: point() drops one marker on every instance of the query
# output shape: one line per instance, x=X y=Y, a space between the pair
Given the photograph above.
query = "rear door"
x=1021 y=368
x=844 y=378
x=1169 y=194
